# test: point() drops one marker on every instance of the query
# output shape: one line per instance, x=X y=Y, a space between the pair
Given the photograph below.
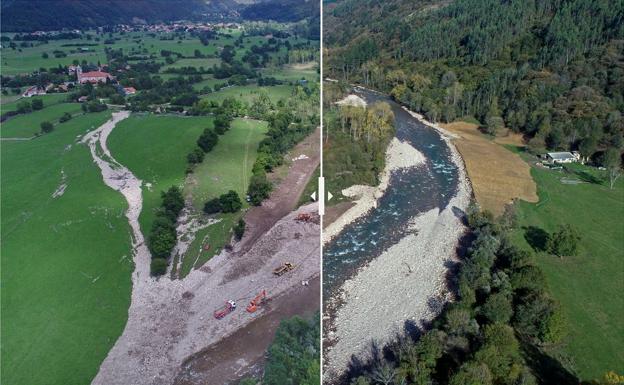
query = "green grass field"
x=227 y=167
x=154 y=148
x=66 y=262
x=250 y=92
x=589 y=285
x=292 y=73
x=26 y=125
x=48 y=100
x=201 y=62
x=161 y=161
x=30 y=59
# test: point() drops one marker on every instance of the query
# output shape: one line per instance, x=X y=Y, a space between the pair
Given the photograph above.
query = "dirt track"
x=284 y=197
x=242 y=353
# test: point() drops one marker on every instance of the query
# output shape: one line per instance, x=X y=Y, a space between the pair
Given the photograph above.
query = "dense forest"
x=35 y=15
x=552 y=70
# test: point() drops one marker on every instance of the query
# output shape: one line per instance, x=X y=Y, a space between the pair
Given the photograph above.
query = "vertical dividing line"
x=321 y=192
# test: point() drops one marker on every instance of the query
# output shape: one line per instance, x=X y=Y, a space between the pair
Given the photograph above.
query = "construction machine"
x=303 y=217
x=257 y=301
x=229 y=307
x=286 y=267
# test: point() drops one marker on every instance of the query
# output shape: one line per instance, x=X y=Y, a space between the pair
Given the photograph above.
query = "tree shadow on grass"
x=546 y=369
x=536 y=237
x=589 y=178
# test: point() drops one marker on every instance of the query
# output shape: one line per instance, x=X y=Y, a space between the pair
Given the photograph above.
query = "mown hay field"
x=498 y=176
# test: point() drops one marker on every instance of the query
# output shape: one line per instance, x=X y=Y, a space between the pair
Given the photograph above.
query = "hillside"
x=29 y=15
x=552 y=70
x=35 y=15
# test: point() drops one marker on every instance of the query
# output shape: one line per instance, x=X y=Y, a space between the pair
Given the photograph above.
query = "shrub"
x=222 y=123
x=158 y=266
x=207 y=140
x=497 y=308
x=162 y=237
x=212 y=206
x=47 y=127
x=24 y=106
x=195 y=156
x=37 y=104
x=259 y=188
x=564 y=242
x=172 y=202
x=230 y=202
x=66 y=116
x=239 y=229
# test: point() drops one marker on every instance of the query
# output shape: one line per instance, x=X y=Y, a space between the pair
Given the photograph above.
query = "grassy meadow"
x=588 y=285
x=66 y=261
x=154 y=148
x=27 y=125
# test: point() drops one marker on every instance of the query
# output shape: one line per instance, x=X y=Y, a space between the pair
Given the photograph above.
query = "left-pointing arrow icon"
x=313 y=196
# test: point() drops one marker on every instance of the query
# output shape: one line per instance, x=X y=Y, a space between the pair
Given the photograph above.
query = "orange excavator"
x=257 y=301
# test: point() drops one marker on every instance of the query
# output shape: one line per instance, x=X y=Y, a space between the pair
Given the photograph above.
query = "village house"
x=562 y=157
x=129 y=91
x=32 y=91
x=92 y=76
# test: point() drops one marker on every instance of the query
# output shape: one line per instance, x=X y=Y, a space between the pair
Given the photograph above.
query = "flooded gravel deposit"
x=388 y=267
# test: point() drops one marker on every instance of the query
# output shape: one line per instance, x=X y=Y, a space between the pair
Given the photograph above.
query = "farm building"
x=562 y=157
x=32 y=91
x=92 y=77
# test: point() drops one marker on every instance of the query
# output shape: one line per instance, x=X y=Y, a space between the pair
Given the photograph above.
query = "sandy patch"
x=399 y=155
x=352 y=100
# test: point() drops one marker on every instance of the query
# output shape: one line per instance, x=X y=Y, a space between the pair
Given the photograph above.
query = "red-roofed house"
x=92 y=77
x=129 y=90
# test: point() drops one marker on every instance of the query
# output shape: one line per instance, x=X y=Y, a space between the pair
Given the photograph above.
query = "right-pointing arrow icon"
x=329 y=196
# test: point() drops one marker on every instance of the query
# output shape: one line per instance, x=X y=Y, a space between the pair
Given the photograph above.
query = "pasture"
x=227 y=167
x=27 y=125
x=10 y=104
x=587 y=285
x=154 y=148
x=66 y=261
x=249 y=93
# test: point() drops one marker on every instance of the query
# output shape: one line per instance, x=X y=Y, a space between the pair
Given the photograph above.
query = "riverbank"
x=405 y=285
x=399 y=155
